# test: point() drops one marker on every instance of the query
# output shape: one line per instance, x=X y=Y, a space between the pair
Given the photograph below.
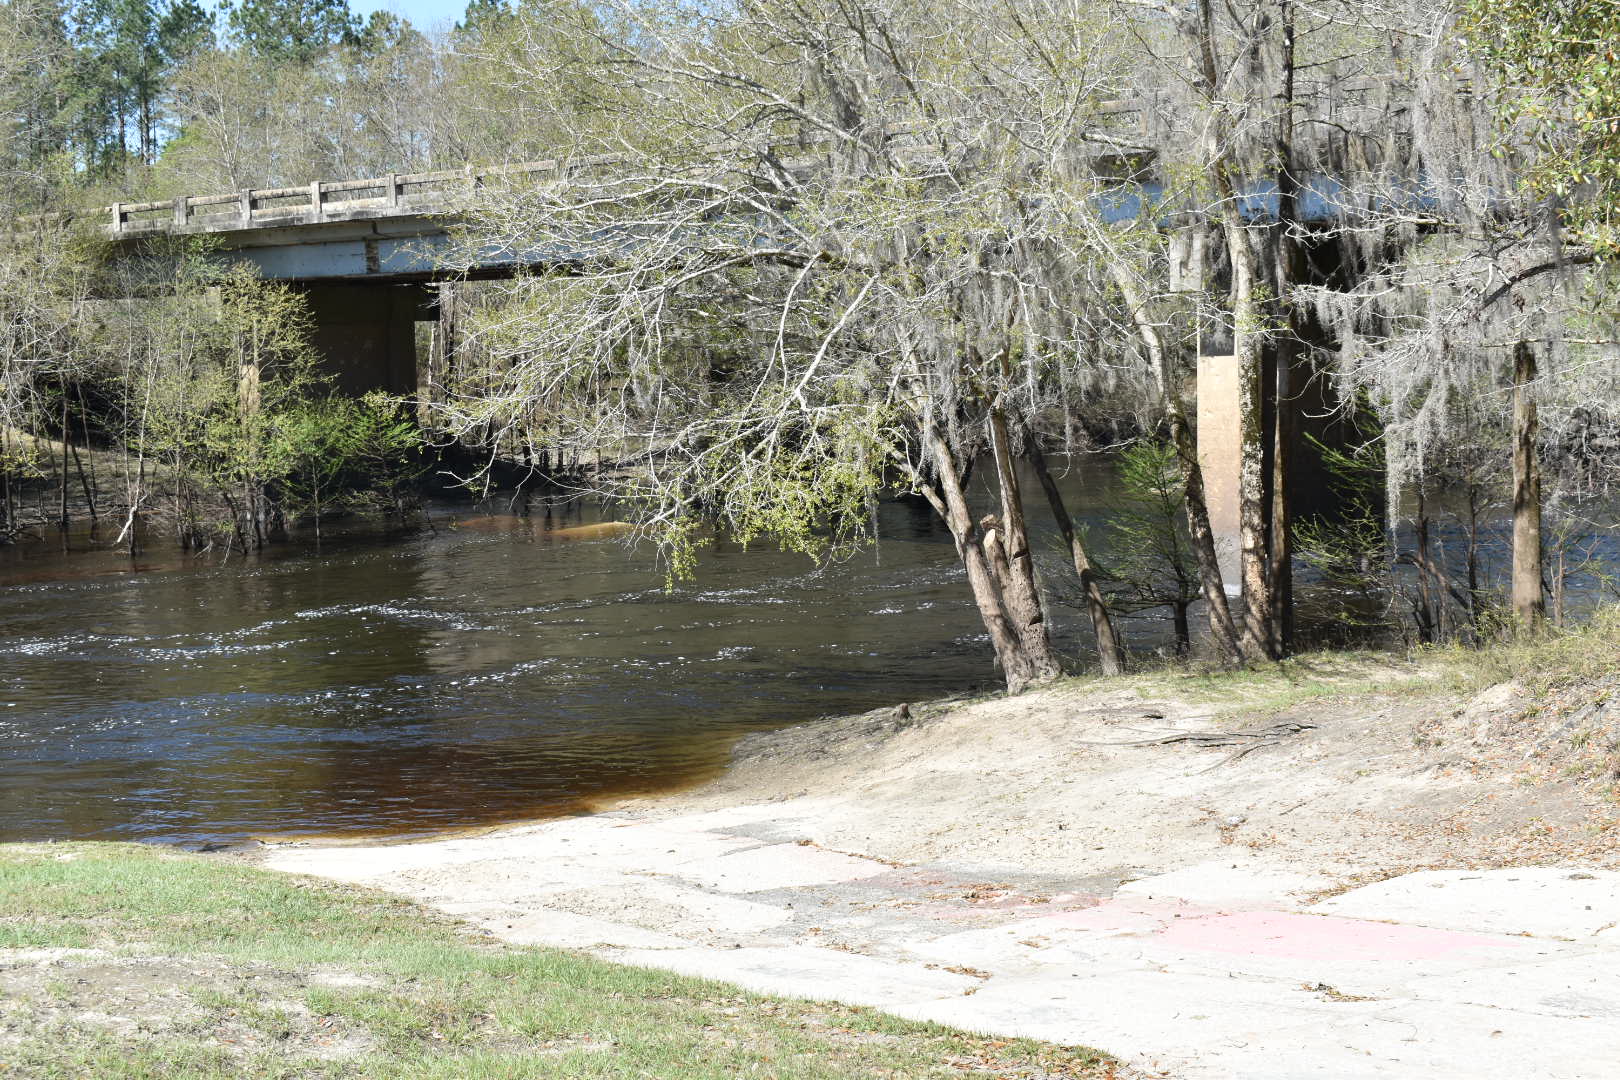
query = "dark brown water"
x=491 y=672
x=508 y=667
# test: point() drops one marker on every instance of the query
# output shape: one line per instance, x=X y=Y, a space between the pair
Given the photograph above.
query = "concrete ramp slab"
x=1129 y=1013
x=1424 y=1041
x=1543 y=901
x=779 y=866
x=566 y=930
x=1578 y=987
x=1229 y=885
x=690 y=914
x=808 y=972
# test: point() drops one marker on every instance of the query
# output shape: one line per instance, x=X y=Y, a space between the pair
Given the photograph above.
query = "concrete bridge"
x=365 y=252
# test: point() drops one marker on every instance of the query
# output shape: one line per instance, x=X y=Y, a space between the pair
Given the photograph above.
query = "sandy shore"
x=1366 y=884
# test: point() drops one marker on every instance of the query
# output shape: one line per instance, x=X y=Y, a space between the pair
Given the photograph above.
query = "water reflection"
x=502 y=665
x=509 y=667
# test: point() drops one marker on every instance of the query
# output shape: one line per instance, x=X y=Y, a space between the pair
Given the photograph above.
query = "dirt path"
x=1206 y=896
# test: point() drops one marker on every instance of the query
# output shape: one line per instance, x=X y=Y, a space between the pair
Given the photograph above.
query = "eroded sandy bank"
x=1294 y=884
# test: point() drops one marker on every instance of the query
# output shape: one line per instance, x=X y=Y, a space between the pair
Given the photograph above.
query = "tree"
x=127 y=51
x=1557 y=86
x=1550 y=71
x=1149 y=563
x=483 y=15
x=839 y=252
x=290 y=31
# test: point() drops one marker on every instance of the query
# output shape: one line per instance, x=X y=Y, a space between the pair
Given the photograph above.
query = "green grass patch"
x=145 y=962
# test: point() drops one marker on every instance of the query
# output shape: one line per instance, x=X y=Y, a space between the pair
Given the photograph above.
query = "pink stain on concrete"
x=1318 y=937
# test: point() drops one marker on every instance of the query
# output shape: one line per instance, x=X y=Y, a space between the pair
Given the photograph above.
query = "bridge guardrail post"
x=392 y=194
x=182 y=210
x=246 y=209
x=317 y=209
x=117 y=217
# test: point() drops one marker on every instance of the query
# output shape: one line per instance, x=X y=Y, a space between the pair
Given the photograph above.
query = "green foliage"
x=292 y=31
x=331 y=452
x=1347 y=598
x=216 y=383
x=1148 y=561
x=1558 y=88
x=125 y=51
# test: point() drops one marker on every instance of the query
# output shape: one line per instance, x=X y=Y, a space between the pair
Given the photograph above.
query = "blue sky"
x=424 y=14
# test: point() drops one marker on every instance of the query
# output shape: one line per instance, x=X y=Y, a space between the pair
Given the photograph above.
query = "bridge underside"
x=366 y=333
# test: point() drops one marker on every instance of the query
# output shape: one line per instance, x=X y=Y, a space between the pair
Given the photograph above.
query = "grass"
x=1584 y=652
x=171 y=965
x=1260 y=689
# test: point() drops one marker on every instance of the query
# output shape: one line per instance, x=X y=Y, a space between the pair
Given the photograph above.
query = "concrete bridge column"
x=1314 y=420
x=1220 y=455
x=366 y=334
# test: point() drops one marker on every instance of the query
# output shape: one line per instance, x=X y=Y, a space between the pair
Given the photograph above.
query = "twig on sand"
x=1219 y=738
x=1246 y=741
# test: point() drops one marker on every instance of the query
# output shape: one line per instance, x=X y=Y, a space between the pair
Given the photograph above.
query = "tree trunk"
x=443 y=357
x=950 y=502
x=1286 y=350
x=1254 y=480
x=89 y=492
x=1528 y=606
x=1473 y=561
x=1022 y=598
x=1110 y=654
x=1284 y=434
x=8 y=516
x=1560 y=579
x=90 y=482
x=1183 y=630
x=1426 y=605
x=1259 y=639
x=67 y=438
x=1221 y=628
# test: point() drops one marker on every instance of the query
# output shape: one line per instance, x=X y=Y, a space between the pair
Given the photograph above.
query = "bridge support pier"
x=1309 y=486
x=365 y=334
x=1220 y=456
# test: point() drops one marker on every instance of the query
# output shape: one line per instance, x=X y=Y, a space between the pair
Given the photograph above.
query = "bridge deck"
x=320 y=202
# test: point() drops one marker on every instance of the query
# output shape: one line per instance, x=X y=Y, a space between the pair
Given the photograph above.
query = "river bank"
x=1263 y=875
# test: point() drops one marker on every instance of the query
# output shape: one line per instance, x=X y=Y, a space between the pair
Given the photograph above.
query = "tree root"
x=1246 y=741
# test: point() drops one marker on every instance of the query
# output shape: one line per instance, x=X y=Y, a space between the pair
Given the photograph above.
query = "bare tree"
x=833 y=250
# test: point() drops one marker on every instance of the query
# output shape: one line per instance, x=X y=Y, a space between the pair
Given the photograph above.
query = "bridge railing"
x=322 y=200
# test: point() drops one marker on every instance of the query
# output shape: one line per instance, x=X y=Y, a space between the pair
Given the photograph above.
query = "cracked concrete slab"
x=1425 y=1039
x=1230 y=884
x=1543 y=901
x=566 y=930
x=1143 y=1008
x=1215 y=971
x=810 y=972
x=780 y=866
x=1584 y=986
x=677 y=909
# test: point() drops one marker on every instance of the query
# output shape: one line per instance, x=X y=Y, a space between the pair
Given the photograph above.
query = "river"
x=497 y=668
x=508 y=663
